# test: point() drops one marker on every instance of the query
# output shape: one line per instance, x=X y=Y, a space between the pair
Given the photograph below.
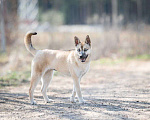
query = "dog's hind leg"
x=35 y=78
x=45 y=82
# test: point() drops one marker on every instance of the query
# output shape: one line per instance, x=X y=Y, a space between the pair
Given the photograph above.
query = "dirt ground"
x=111 y=92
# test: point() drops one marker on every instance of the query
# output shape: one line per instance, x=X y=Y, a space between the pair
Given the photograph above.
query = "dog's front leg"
x=76 y=82
x=72 y=98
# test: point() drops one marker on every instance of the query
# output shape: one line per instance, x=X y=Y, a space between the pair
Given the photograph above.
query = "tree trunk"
x=3 y=39
x=139 y=10
x=114 y=12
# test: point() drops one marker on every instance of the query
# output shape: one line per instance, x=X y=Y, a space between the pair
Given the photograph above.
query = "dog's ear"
x=87 y=40
x=77 y=41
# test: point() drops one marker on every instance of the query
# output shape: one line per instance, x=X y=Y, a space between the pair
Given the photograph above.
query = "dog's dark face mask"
x=83 y=49
x=83 y=57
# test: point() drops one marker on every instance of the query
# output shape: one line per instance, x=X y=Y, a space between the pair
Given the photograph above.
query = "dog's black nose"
x=83 y=56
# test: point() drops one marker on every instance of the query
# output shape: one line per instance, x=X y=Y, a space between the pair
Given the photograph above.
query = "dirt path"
x=110 y=93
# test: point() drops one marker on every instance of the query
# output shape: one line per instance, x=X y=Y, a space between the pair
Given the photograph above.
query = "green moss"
x=108 y=61
x=14 y=78
x=139 y=57
x=3 y=58
x=56 y=73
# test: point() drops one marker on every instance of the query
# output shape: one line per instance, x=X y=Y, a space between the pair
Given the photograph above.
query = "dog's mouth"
x=83 y=58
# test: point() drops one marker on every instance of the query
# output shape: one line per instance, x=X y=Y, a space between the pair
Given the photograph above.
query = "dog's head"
x=83 y=49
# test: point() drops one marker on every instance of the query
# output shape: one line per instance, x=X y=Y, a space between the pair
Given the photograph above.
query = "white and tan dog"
x=73 y=62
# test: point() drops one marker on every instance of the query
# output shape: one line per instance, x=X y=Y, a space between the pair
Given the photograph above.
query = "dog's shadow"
x=92 y=105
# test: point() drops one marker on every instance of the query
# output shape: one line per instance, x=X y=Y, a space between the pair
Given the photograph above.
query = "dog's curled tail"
x=28 y=42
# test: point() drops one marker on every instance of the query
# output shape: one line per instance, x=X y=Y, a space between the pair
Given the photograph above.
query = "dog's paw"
x=72 y=99
x=33 y=103
x=82 y=101
x=48 y=101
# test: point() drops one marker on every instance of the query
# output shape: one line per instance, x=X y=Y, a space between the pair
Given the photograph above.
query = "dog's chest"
x=82 y=70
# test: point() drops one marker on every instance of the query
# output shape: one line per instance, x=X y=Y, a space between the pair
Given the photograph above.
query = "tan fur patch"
x=82 y=44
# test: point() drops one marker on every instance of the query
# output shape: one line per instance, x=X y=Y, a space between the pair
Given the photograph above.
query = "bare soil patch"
x=111 y=92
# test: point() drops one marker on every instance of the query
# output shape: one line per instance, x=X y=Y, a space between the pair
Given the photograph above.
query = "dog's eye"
x=85 y=50
x=78 y=50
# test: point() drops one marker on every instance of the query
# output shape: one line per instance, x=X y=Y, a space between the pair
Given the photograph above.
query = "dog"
x=72 y=62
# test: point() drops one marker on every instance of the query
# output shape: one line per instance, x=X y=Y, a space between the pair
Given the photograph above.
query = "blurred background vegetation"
x=119 y=29
x=97 y=11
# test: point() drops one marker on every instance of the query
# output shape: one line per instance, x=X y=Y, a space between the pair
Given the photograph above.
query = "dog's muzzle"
x=83 y=57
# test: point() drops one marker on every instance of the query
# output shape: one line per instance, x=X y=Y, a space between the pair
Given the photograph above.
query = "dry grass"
x=108 y=43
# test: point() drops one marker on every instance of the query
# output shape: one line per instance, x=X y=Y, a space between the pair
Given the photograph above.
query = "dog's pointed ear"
x=87 y=40
x=77 y=41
